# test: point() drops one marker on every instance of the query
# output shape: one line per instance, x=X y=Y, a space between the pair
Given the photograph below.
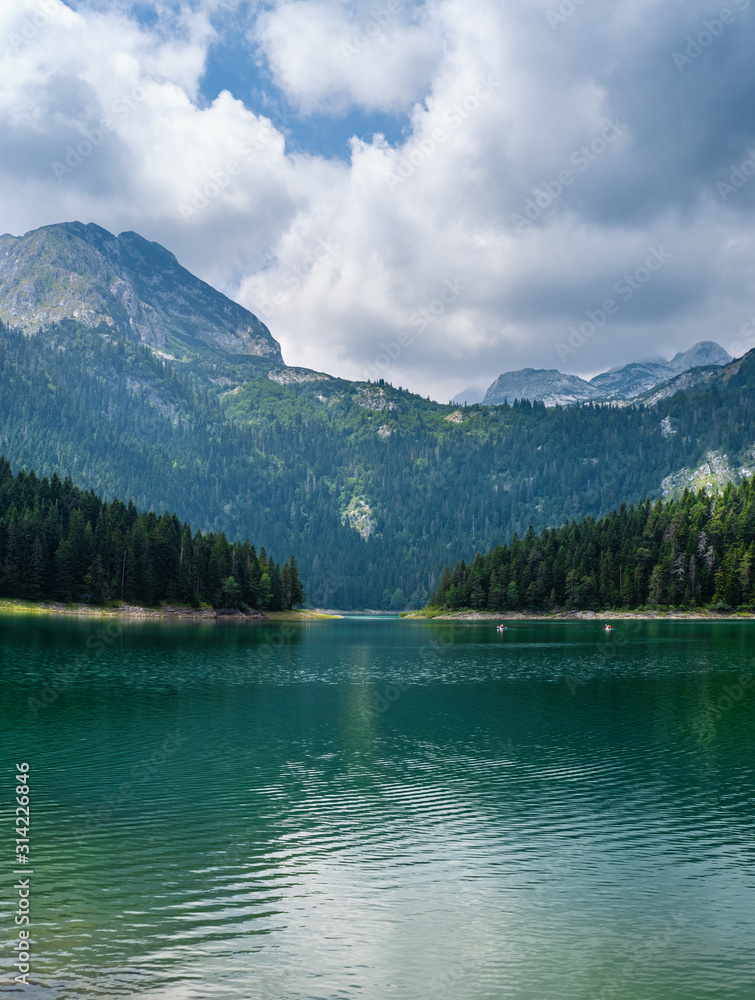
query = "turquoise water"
x=377 y=809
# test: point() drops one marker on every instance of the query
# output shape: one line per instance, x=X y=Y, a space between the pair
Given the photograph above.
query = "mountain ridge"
x=81 y=271
x=370 y=487
x=618 y=385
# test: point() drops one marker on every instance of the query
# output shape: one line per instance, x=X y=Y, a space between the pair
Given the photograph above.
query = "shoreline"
x=167 y=612
x=502 y=616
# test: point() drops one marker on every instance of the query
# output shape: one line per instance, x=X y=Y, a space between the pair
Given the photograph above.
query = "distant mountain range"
x=125 y=372
x=630 y=382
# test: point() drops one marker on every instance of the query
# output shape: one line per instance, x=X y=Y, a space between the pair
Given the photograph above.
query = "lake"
x=382 y=808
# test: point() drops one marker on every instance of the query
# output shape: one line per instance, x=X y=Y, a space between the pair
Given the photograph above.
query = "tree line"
x=696 y=551
x=58 y=542
x=283 y=463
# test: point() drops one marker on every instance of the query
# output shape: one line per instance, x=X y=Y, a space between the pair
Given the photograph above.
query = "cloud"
x=541 y=163
x=331 y=57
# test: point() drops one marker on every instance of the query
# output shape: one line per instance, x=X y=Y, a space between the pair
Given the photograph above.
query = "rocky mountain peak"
x=706 y=352
x=548 y=385
x=136 y=287
x=619 y=384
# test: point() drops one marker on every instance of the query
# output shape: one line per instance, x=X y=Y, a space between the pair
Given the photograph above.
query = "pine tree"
x=276 y=587
x=230 y=596
x=64 y=579
x=95 y=580
x=264 y=592
x=35 y=584
x=298 y=596
x=286 y=586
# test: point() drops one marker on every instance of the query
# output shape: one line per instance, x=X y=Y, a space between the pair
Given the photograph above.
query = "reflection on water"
x=371 y=809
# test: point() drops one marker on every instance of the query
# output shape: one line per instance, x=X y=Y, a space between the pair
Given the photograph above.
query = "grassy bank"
x=117 y=609
x=437 y=614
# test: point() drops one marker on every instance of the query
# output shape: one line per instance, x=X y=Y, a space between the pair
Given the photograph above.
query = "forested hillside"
x=372 y=488
x=692 y=552
x=58 y=542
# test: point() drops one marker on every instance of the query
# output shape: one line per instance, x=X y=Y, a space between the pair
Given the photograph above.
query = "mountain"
x=545 y=385
x=687 y=380
x=371 y=488
x=135 y=287
x=707 y=352
x=617 y=385
x=631 y=380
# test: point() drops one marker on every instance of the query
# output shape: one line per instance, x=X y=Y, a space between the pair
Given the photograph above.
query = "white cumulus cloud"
x=539 y=166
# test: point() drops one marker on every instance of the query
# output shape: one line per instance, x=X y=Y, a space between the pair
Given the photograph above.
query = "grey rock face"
x=83 y=272
x=631 y=380
x=707 y=352
x=549 y=386
x=618 y=385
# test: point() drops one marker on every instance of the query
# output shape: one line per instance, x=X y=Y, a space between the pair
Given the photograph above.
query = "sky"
x=432 y=193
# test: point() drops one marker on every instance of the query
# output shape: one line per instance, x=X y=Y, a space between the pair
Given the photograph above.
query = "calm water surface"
x=378 y=809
